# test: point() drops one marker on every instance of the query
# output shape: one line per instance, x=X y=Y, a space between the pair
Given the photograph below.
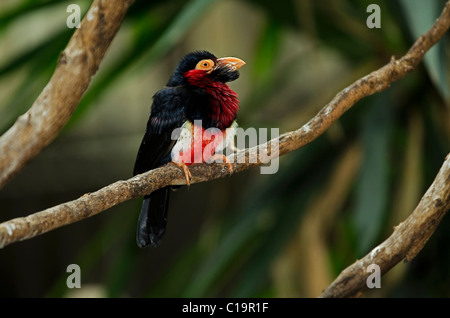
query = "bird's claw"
x=187 y=173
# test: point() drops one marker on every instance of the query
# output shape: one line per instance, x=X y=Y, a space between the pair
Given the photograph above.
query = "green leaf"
x=373 y=185
x=420 y=16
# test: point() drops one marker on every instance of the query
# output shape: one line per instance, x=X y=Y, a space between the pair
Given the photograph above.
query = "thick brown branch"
x=406 y=241
x=80 y=60
x=94 y=203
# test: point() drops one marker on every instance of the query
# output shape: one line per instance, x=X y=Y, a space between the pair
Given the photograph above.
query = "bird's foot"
x=187 y=173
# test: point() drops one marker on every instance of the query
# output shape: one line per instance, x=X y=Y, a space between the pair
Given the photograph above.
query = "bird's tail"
x=153 y=218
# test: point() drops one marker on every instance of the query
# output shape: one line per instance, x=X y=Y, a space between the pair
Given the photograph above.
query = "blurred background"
x=283 y=235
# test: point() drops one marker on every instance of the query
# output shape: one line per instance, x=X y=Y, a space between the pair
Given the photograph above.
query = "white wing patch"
x=184 y=143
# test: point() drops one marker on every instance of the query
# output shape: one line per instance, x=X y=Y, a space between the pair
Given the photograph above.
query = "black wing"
x=167 y=113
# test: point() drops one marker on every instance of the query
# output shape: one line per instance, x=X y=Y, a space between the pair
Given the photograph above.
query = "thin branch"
x=90 y=204
x=407 y=240
x=80 y=60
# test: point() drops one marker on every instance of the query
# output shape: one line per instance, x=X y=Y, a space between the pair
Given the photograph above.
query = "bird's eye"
x=205 y=65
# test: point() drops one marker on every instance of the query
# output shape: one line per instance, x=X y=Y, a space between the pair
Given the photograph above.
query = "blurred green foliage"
x=251 y=235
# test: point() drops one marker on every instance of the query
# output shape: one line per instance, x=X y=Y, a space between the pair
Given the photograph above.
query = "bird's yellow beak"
x=232 y=62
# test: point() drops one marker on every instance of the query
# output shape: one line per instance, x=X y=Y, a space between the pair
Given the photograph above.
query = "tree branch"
x=408 y=238
x=37 y=128
x=90 y=204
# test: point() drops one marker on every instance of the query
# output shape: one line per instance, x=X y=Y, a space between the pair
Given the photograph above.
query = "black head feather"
x=187 y=63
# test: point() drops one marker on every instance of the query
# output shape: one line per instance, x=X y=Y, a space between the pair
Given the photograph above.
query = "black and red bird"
x=195 y=100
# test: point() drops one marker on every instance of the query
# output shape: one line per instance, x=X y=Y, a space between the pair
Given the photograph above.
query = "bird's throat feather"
x=223 y=101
